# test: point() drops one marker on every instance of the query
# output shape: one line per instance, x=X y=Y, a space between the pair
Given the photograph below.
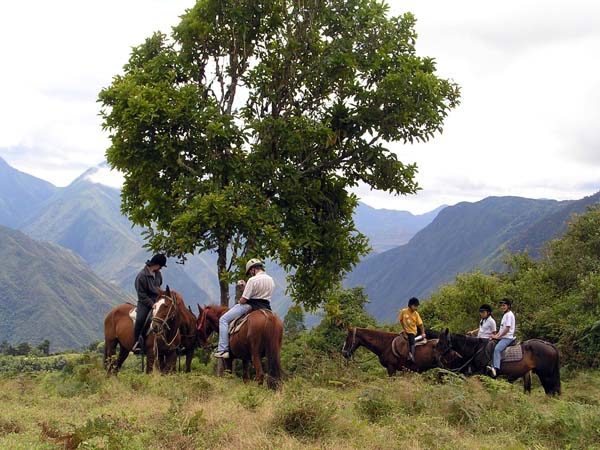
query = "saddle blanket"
x=512 y=353
x=238 y=323
x=400 y=345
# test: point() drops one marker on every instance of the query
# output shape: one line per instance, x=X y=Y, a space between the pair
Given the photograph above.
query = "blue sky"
x=528 y=70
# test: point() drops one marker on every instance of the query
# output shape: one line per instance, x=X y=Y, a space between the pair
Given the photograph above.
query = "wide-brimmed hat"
x=157 y=260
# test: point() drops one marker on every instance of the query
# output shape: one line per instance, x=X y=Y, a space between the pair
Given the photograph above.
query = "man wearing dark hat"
x=147 y=285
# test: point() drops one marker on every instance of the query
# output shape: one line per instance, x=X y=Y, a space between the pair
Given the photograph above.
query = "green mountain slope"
x=462 y=238
x=20 y=194
x=48 y=292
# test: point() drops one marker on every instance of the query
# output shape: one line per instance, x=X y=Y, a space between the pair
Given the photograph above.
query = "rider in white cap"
x=257 y=294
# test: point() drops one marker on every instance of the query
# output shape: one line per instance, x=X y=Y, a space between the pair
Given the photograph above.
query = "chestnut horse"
x=539 y=356
x=380 y=343
x=118 y=329
x=173 y=326
x=261 y=336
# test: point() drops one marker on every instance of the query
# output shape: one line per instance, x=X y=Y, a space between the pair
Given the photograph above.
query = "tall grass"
x=79 y=407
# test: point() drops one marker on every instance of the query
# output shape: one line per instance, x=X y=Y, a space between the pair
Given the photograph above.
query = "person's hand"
x=470 y=333
x=242 y=301
x=495 y=337
x=423 y=335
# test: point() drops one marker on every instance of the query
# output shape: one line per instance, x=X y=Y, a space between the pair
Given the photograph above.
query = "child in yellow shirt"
x=410 y=319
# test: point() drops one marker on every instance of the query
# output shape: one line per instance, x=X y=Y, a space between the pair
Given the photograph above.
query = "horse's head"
x=443 y=347
x=208 y=323
x=164 y=311
x=351 y=343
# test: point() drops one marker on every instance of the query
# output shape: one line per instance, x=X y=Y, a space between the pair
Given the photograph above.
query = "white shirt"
x=260 y=286
x=508 y=320
x=487 y=327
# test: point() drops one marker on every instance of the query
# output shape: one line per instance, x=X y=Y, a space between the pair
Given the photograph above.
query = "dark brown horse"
x=539 y=356
x=381 y=343
x=118 y=329
x=261 y=336
x=173 y=326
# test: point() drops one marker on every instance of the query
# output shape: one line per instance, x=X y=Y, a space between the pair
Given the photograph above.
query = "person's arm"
x=502 y=332
x=247 y=294
x=472 y=332
x=421 y=325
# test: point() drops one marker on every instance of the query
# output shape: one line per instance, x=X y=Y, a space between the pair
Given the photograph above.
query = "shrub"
x=373 y=405
x=305 y=415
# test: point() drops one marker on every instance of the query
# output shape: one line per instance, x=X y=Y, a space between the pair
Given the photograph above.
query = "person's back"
x=411 y=320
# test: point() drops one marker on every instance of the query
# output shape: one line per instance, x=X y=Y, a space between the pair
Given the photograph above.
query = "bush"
x=374 y=405
x=305 y=415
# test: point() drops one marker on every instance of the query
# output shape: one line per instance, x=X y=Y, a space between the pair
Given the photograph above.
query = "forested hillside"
x=49 y=292
x=462 y=238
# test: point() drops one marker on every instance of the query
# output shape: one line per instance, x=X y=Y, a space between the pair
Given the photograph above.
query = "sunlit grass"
x=79 y=407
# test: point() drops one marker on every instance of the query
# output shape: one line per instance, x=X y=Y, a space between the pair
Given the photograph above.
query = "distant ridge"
x=48 y=292
x=462 y=238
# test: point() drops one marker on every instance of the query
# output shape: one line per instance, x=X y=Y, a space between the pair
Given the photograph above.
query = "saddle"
x=238 y=323
x=512 y=353
x=400 y=347
x=133 y=315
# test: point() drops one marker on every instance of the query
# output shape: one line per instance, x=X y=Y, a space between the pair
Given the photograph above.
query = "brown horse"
x=118 y=329
x=173 y=326
x=261 y=336
x=539 y=356
x=380 y=343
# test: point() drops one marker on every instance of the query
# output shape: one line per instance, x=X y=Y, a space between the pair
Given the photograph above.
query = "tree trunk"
x=222 y=272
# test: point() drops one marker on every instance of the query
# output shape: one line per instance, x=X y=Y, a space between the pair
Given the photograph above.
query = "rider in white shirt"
x=487 y=324
x=505 y=336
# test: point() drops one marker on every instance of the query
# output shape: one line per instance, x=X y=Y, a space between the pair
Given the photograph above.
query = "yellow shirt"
x=409 y=320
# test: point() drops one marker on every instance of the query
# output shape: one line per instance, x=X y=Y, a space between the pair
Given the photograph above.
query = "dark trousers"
x=140 y=319
x=411 y=344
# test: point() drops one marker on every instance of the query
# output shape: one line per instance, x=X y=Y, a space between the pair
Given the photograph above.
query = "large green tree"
x=244 y=131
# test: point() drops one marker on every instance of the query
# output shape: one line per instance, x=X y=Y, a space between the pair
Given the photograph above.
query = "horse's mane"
x=216 y=308
x=380 y=332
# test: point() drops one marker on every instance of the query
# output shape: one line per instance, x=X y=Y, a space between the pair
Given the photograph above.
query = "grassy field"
x=78 y=407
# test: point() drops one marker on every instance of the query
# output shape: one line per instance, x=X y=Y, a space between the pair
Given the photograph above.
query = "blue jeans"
x=500 y=346
x=235 y=312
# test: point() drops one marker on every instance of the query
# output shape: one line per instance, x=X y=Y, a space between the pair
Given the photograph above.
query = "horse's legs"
x=257 y=366
x=246 y=370
x=527 y=383
x=391 y=370
x=123 y=354
x=170 y=362
x=189 y=356
x=110 y=348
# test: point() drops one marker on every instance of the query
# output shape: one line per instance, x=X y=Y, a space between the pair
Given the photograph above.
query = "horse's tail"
x=550 y=374
x=274 y=337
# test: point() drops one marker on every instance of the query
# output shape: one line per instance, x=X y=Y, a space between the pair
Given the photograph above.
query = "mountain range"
x=462 y=238
x=85 y=217
x=49 y=292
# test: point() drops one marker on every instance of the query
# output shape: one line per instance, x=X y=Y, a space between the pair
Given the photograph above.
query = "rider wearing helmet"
x=257 y=294
x=505 y=336
x=410 y=319
x=487 y=324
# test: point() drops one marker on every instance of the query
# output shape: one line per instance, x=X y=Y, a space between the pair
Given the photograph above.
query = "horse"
x=539 y=356
x=118 y=329
x=381 y=343
x=174 y=327
x=261 y=336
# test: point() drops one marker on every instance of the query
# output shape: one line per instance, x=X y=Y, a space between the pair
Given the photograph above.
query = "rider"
x=505 y=336
x=487 y=324
x=257 y=294
x=410 y=319
x=147 y=286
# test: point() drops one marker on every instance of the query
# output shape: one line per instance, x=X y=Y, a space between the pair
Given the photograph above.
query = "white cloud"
x=528 y=70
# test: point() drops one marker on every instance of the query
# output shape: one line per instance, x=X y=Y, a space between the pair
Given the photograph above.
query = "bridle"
x=164 y=323
x=202 y=321
x=350 y=351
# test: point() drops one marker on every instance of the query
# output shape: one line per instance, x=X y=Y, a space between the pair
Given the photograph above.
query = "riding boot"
x=411 y=355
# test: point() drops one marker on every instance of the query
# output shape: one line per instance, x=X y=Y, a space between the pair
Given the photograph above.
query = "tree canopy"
x=243 y=132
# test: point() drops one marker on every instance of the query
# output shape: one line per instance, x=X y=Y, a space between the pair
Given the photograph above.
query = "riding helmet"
x=254 y=262
x=485 y=307
x=506 y=301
